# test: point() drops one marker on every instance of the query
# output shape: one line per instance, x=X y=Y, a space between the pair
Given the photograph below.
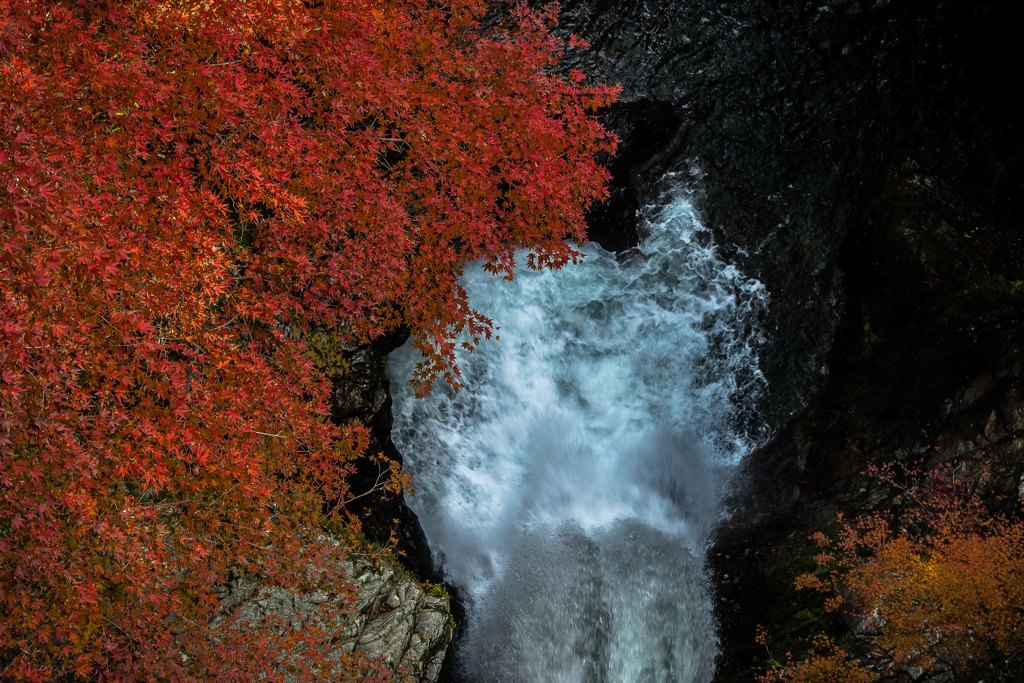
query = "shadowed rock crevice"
x=927 y=369
x=864 y=160
x=790 y=112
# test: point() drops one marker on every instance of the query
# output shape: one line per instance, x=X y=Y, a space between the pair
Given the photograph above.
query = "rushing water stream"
x=570 y=488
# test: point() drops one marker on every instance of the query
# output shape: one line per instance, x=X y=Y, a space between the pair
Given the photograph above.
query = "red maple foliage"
x=187 y=189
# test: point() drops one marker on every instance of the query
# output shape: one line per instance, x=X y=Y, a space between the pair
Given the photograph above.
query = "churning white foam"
x=570 y=488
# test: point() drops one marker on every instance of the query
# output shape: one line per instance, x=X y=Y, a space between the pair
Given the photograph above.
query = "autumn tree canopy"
x=188 y=190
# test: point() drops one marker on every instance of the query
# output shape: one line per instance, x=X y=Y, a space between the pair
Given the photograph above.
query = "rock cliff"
x=927 y=368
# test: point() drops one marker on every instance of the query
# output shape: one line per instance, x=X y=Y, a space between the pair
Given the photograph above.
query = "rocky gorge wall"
x=927 y=369
x=782 y=116
x=926 y=365
x=863 y=160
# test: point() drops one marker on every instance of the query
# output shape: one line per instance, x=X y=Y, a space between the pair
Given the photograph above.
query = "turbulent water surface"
x=570 y=488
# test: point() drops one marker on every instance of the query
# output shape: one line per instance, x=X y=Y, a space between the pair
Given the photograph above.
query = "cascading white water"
x=570 y=488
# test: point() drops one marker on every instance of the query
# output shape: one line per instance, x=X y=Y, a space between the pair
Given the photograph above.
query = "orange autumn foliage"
x=939 y=586
x=825 y=663
x=187 y=190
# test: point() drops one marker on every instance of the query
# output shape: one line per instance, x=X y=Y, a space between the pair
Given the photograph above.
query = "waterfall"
x=570 y=488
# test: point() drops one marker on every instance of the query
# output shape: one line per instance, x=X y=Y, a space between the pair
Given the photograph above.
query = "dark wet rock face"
x=647 y=131
x=865 y=159
x=927 y=366
x=928 y=369
x=790 y=111
x=360 y=390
